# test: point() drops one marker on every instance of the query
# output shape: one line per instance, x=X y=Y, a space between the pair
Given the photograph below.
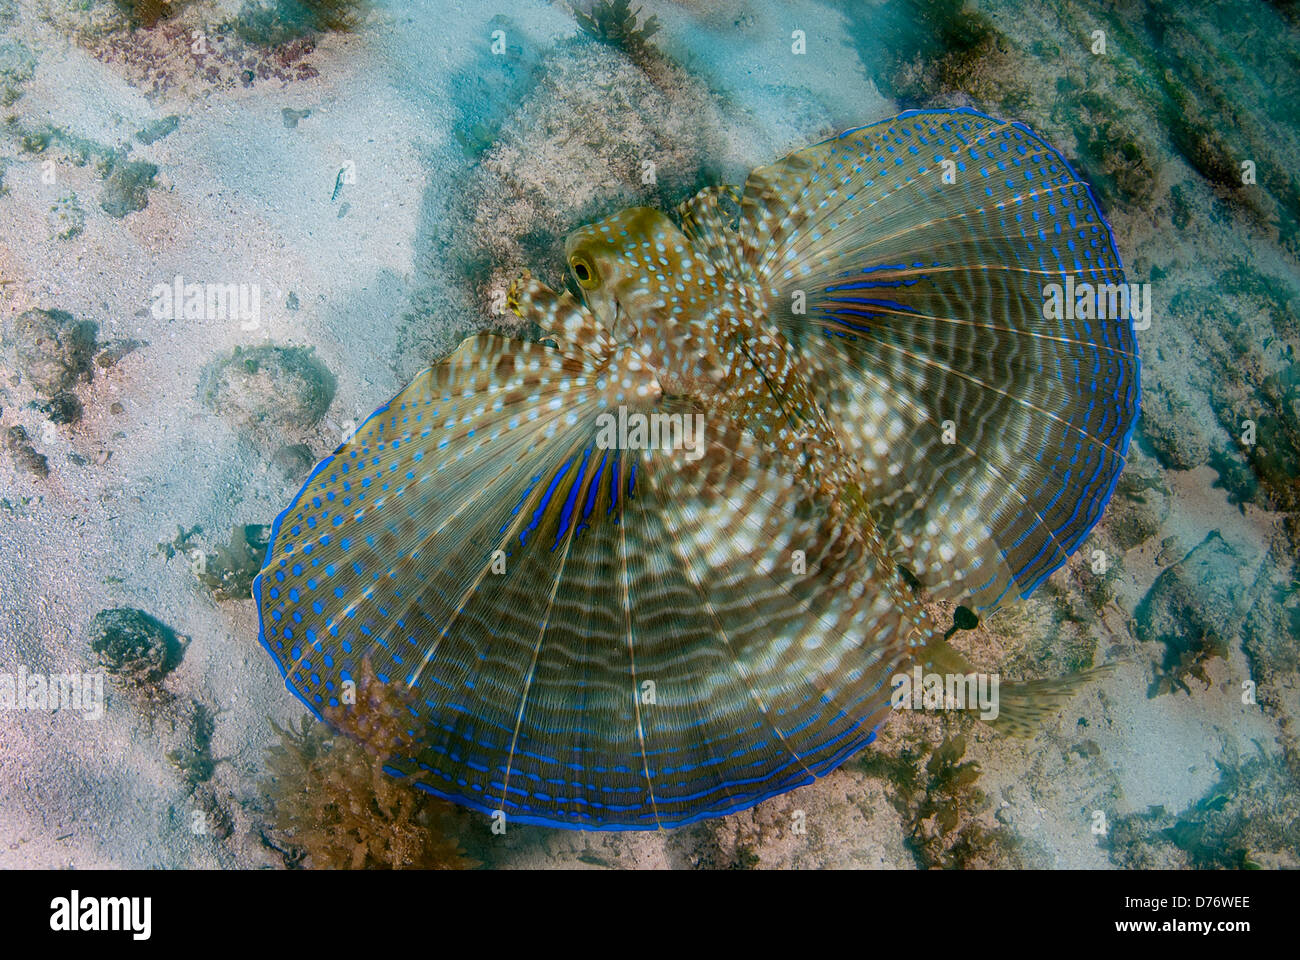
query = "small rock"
x=24 y=455
x=134 y=646
x=268 y=390
x=116 y=408
x=53 y=349
x=294 y=461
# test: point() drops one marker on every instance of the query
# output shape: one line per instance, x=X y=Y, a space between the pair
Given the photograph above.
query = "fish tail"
x=1026 y=706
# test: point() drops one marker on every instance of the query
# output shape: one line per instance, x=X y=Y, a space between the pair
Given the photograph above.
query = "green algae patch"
x=290 y=117
x=158 y=129
x=77 y=150
x=66 y=218
x=228 y=572
x=126 y=189
x=17 y=67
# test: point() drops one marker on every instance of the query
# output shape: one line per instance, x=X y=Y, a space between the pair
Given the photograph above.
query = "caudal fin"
x=1026 y=707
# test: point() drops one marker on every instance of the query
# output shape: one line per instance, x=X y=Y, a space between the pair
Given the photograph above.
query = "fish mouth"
x=604 y=307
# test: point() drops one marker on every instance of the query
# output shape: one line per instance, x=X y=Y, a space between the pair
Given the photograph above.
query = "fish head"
x=624 y=264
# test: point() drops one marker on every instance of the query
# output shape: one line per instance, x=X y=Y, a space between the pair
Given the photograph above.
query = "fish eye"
x=585 y=272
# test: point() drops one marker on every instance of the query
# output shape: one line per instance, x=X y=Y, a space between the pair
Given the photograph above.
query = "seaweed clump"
x=147 y=14
x=288 y=20
x=193 y=760
x=229 y=572
x=333 y=805
x=938 y=48
x=615 y=23
x=1234 y=476
x=938 y=809
x=1138 y=510
x=17 y=66
x=1275 y=458
x=1119 y=158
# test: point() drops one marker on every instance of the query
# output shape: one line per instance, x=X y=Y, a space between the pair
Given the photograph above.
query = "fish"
x=605 y=635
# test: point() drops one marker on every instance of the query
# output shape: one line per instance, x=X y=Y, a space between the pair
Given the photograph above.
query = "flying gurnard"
x=602 y=635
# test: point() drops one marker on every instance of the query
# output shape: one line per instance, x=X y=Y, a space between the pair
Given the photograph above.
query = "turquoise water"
x=231 y=231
